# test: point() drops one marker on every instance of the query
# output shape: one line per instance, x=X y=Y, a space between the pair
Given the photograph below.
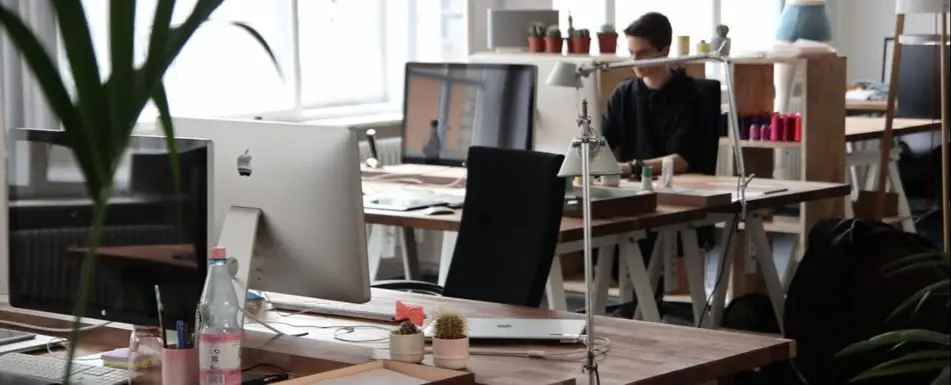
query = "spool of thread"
x=789 y=127
x=683 y=45
x=797 y=134
x=745 y=122
x=764 y=132
x=703 y=47
x=776 y=128
x=755 y=131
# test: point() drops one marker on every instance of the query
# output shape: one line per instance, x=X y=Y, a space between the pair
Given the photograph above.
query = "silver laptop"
x=513 y=329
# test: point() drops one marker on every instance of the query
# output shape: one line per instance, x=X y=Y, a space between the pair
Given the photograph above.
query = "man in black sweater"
x=654 y=115
x=657 y=113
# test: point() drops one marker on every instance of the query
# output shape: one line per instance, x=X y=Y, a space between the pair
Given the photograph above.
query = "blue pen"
x=180 y=328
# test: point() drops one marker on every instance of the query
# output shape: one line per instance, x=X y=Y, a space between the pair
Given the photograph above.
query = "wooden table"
x=173 y=255
x=641 y=353
x=872 y=128
x=606 y=232
x=866 y=105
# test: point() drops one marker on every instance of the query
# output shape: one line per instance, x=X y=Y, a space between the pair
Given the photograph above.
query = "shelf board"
x=725 y=141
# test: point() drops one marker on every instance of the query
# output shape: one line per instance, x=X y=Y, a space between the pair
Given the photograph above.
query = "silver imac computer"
x=290 y=195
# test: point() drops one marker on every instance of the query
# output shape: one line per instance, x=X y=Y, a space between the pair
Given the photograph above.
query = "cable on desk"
x=339 y=330
x=52 y=330
x=65 y=343
x=721 y=273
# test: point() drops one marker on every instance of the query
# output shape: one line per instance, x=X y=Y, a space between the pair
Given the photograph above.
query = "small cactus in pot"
x=581 y=42
x=450 y=341
x=607 y=39
x=536 y=38
x=553 y=39
x=407 y=343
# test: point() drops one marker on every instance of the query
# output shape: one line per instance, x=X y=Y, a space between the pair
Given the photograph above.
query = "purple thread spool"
x=755 y=132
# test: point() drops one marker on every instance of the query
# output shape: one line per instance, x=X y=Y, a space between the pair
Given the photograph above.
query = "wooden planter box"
x=385 y=372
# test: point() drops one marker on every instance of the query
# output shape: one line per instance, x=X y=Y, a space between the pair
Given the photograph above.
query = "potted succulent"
x=581 y=42
x=450 y=341
x=407 y=343
x=607 y=39
x=98 y=118
x=553 y=39
x=536 y=38
x=721 y=43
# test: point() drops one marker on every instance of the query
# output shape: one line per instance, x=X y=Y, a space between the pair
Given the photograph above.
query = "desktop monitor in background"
x=291 y=195
x=448 y=107
x=154 y=234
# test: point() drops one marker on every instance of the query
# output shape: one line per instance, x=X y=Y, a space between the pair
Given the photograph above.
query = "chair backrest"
x=510 y=224
x=710 y=99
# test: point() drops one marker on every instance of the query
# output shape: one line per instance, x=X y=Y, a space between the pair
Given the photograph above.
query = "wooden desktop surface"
x=866 y=105
x=763 y=193
x=640 y=353
x=869 y=128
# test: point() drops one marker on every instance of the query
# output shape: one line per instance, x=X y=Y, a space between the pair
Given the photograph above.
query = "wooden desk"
x=641 y=353
x=871 y=128
x=866 y=105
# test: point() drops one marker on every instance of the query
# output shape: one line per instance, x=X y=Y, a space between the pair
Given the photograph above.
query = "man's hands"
x=626 y=169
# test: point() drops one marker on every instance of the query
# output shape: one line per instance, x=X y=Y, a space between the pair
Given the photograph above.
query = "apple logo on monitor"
x=244 y=163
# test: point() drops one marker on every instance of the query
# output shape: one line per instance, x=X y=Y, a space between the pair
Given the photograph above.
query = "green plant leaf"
x=122 y=56
x=906 y=368
x=917 y=265
x=944 y=378
x=922 y=355
x=919 y=298
x=891 y=339
x=161 y=24
x=263 y=43
x=165 y=117
x=54 y=89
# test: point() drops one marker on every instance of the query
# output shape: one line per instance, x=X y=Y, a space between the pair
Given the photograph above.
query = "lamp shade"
x=911 y=7
x=564 y=74
x=602 y=161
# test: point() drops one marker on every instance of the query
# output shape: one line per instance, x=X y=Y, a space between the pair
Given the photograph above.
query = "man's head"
x=649 y=37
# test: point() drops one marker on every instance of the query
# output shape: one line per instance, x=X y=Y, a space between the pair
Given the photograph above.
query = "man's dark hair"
x=653 y=27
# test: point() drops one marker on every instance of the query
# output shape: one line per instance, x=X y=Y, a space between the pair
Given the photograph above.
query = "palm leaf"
x=944 y=378
x=919 y=298
x=905 y=368
x=891 y=339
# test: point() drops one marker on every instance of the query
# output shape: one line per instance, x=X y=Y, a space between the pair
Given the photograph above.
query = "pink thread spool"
x=776 y=127
x=789 y=127
x=755 y=132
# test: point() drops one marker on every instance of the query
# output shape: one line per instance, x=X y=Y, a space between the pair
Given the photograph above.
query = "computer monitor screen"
x=155 y=232
x=448 y=107
x=310 y=239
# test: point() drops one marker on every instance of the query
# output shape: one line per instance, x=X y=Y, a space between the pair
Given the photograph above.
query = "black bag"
x=841 y=295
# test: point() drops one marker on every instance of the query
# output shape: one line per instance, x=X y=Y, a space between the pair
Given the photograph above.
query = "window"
x=688 y=17
x=585 y=14
x=747 y=36
x=332 y=53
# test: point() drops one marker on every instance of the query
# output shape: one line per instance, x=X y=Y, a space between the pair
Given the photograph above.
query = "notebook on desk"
x=568 y=331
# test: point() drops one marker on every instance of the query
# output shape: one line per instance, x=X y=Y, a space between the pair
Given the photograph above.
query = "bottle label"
x=220 y=359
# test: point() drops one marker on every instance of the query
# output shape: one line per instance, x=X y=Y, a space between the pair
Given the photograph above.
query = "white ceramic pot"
x=409 y=348
x=451 y=354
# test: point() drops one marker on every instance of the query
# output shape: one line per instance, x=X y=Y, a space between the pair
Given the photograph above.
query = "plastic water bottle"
x=219 y=335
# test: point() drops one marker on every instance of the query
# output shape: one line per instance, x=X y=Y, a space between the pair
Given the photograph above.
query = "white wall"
x=860 y=26
x=476 y=18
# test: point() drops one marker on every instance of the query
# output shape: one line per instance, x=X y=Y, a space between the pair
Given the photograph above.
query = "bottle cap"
x=218 y=253
x=646 y=172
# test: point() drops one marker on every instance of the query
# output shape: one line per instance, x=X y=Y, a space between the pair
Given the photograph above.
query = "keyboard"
x=51 y=369
x=335 y=310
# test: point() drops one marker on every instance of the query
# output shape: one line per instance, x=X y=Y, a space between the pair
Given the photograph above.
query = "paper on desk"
x=373 y=377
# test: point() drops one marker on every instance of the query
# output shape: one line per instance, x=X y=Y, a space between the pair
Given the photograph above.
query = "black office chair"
x=509 y=230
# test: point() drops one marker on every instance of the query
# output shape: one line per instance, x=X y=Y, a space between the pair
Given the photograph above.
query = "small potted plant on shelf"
x=407 y=343
x=536 y=38
x=607 y=39
x=553 y=39
x=721 y=43
x=581 y=42
x=450 y=341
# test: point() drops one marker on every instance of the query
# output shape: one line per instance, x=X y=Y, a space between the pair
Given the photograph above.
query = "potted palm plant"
x=407 y=343
x=927 y=351
x=98 y=121
x=450 y=341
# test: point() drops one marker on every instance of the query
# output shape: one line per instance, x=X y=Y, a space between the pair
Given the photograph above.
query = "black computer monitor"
x=155 y=233
x=448 y=107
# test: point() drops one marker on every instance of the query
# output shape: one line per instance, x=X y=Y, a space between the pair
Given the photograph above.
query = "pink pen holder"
x=179 y=366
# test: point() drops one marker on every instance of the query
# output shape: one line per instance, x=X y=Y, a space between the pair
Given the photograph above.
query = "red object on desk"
x=412 y=313
x=776 y=127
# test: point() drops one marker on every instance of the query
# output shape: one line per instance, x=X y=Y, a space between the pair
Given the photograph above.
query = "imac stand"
x=238 y=235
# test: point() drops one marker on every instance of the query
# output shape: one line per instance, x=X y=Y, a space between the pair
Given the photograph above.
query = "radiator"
x=388 y=149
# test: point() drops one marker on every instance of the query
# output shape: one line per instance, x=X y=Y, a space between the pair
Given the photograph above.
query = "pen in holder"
x=179 y=366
